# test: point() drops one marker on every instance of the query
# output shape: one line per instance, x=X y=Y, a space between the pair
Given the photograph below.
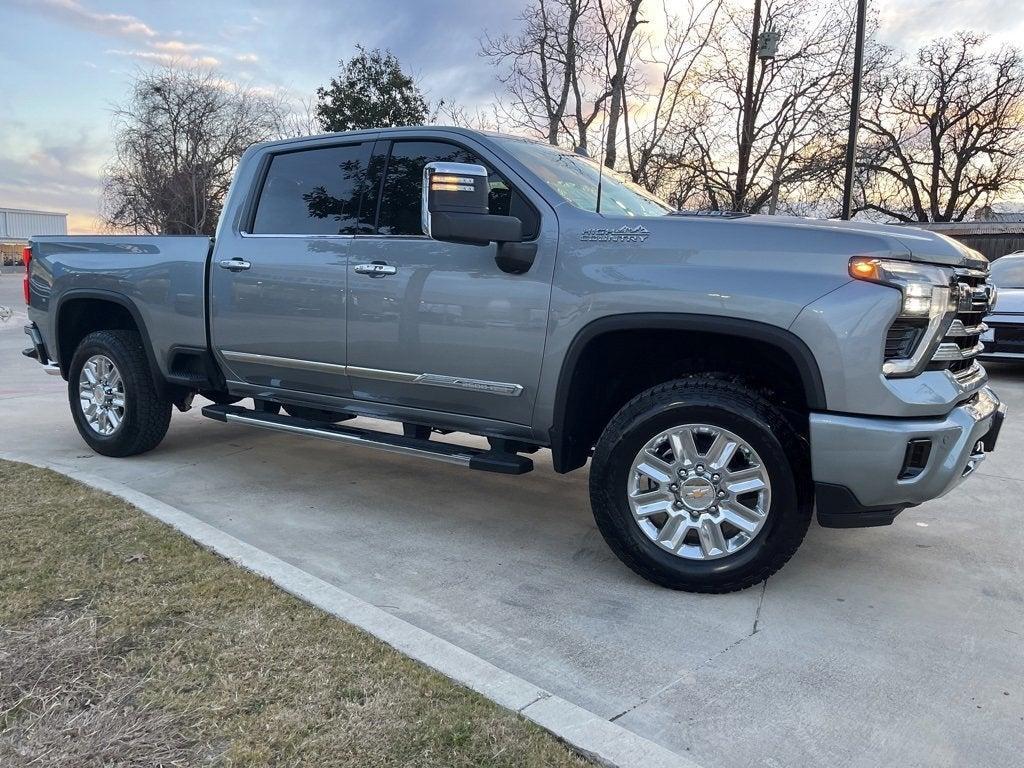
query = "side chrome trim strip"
x=376 y=373
x=284 y=362
x=475 y=385
x=307 y=237
x=430 y=379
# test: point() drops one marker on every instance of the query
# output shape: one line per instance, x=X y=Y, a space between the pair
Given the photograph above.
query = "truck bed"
x=161 y=280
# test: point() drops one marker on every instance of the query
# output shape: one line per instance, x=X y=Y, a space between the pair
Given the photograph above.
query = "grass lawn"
x=122 y=643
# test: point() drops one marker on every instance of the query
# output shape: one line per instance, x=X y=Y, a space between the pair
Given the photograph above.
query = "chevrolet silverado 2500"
x=725 y=375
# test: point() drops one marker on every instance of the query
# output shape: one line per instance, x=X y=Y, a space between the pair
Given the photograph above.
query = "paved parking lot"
x=890 y=646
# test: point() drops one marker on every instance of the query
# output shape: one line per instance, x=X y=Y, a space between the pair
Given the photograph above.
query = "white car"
x=1004 y=339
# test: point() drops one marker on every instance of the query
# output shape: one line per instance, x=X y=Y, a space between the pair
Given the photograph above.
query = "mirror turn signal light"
x=445 y=183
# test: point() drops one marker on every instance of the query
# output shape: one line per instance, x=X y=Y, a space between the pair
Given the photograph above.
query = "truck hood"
x=920 y=245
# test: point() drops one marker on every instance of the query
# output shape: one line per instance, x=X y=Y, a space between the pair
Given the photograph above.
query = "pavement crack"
x=544 y=695
x=760 y=604
x=754 y=630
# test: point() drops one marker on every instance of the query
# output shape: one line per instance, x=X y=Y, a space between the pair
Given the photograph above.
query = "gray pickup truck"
x=725 y=375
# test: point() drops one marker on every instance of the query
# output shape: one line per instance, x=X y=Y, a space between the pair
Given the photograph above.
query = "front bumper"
x=857 y=461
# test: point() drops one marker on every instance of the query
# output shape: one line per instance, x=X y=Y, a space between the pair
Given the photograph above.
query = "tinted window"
x=403 y=183
x=313 y=192
x=575 y=178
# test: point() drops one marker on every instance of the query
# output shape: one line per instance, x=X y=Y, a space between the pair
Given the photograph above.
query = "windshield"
x=574 y=177
x=1008 y=272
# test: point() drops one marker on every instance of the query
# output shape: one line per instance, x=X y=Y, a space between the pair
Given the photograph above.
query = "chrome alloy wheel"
x=101 y=395
x=699 y=491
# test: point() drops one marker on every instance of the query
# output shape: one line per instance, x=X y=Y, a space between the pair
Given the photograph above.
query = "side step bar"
x=474 y=458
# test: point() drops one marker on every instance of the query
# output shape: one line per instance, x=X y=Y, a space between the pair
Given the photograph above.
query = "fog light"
x=915 y=460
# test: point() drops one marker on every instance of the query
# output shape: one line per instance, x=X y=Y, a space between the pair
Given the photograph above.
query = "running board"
x=474 y=458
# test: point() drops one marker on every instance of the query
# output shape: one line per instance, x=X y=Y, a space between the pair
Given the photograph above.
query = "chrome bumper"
x=866 y=455
x=38 y=350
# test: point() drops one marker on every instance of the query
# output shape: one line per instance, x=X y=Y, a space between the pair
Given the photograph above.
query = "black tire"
x=146 y=414
x=715 y=401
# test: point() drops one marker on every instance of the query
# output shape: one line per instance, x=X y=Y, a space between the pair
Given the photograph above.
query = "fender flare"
x=566 y=456
x=114 y=298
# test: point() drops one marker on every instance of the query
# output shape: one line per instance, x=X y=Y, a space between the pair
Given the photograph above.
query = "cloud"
x=155 y=47
x=52 y=173
x=167 y=59
x=175 y=46
x=120 y=25
x=247 y=58
x=910 y=24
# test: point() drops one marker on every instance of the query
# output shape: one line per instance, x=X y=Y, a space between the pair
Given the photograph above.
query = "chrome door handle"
x=235 y=265
x=376 y=269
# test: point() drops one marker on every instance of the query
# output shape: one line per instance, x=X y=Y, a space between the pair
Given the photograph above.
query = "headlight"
x=925 y=287
x=928 y=304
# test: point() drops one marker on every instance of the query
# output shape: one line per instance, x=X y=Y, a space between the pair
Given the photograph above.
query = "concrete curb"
x=599 y=739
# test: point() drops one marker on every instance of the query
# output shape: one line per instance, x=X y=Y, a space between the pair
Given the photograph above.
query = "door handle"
x=375 y=269
x=235 y=265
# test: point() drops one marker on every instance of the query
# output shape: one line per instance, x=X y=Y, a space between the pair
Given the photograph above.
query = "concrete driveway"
x=899 y=646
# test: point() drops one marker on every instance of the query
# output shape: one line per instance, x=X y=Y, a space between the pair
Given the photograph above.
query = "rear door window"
x=313 y=192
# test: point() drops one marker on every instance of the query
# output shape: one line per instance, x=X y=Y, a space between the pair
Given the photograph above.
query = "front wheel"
x=700 y=484
x=114 y=401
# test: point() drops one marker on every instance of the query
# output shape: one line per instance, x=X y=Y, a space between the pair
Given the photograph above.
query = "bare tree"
x=177 y=140
x=452 y=113
x=944 y=132
x=619 y=22
x=298 y=118
x=799 y=107
x=555 y=56
x=655 y=125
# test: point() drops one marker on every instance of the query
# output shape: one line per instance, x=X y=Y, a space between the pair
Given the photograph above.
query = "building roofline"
x=970 y=227
x=5 y=209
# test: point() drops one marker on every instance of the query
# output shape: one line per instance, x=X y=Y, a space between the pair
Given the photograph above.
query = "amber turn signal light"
x=864 y=268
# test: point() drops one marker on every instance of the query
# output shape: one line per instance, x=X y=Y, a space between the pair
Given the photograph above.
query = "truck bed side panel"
x=162 y=278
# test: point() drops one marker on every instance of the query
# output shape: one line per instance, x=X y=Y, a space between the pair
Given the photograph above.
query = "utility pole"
x=851 y=143
x=747 y=132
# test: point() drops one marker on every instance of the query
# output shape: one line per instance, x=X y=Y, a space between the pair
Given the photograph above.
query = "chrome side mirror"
x=454 y=207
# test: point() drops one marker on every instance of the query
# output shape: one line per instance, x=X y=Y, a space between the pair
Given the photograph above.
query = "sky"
x=65 y=63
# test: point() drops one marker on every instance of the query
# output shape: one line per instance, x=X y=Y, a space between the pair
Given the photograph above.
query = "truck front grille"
x=962 y=343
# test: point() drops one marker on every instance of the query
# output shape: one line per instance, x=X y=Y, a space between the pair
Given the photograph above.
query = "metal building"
x=993 y=237
x=17 y=225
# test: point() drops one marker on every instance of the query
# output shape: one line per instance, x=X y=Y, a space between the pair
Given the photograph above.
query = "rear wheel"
x=113 y=399
x=701 y=484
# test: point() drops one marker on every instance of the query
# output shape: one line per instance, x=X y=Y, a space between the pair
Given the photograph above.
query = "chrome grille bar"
x=958 y=330
x=962 y=340
x=951 y=351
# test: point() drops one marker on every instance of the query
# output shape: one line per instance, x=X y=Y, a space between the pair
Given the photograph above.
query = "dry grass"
x=124 y=644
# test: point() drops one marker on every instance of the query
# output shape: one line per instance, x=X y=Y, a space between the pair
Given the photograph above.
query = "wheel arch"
x=108 y=307
x=570 y=451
